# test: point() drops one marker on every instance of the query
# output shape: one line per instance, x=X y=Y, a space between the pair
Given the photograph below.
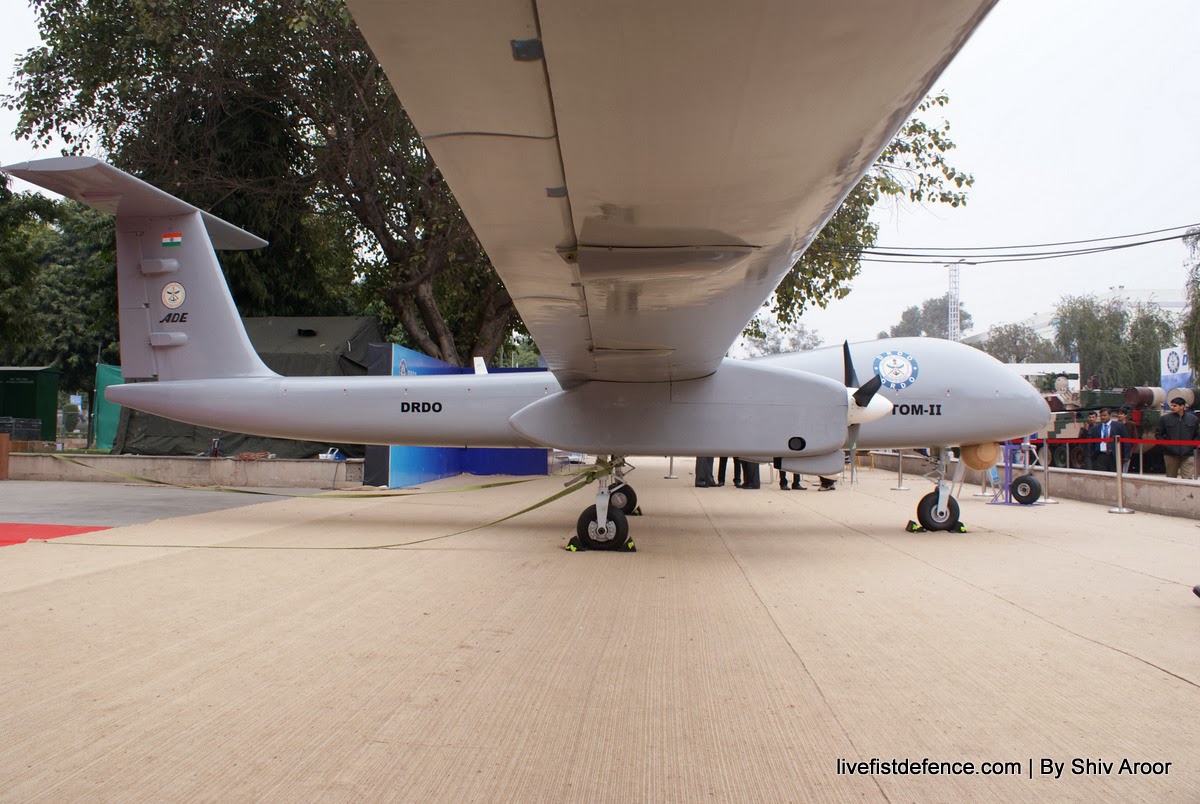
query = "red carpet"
x=16 y=532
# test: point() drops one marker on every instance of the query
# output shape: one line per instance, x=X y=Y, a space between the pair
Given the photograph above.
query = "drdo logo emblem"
x=1173 y=362
x=897 y=369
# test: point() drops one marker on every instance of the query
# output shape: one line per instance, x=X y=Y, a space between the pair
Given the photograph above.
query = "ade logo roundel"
x=172 y=295
x=897 y=369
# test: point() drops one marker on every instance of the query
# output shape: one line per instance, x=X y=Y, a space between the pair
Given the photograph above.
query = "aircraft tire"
x=927 y=513
x=624 y=497
x=1026 y=489
x=1078 y=456
x=615 y=539
x=1061 y=456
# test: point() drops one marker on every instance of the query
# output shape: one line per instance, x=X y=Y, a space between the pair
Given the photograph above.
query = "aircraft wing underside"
x=642 y=174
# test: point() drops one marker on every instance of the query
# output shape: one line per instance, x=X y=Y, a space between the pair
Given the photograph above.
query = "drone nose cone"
x=877 y=408
x=1039 y=412
x=1028 y=408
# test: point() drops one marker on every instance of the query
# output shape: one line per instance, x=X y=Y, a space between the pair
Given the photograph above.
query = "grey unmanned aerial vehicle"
x=642 y=175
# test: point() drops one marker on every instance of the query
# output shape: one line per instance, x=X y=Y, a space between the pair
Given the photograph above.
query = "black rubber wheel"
x=624 y=497
x=1079 y=456
x=614 y=538
x=1062 y=456
x=927 y=513
x=1026 y=489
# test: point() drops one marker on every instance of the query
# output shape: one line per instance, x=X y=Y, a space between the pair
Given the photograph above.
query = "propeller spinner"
x=865 y=405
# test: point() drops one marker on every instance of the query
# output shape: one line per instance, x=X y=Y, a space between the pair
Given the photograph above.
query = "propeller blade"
x=848 y=366
x=863 y=396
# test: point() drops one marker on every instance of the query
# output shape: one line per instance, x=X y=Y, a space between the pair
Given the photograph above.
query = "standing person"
x=1126 y=448
x=827 y=484
x=1109 y=428
x=1088 y=430
x=723 y=462
x=783 y=481
x=704 y=475
x=1178 y=425
x=750 y=476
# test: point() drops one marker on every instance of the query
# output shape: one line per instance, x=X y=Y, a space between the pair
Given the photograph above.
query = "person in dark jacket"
x=1103 y=457
x=1088 y=430
x=1123 y=416
x=1178 y=425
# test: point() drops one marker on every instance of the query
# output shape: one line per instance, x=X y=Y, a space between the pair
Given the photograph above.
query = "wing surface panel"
x=531 y=232
x=643 y=188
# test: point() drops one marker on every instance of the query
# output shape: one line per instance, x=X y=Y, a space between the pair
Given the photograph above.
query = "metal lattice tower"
x=952 y=303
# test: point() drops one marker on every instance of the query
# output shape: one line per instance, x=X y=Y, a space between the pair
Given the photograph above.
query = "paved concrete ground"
x=756 y=639
x=112 y=504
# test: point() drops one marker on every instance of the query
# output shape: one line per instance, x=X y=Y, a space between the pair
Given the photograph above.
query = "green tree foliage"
x=518 y=352
x=773 y=339
x=1190 y=329
x=22 y=216
x=912 y=169
x=180 y=94
x=1018 y=343
x=229 y=155
x=71 y=317
x=276 y=115
x=1116 y=340
x=930 y=320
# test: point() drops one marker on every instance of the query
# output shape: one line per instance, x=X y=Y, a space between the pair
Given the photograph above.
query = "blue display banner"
x=411 y=466
x=1176 y=371
x=406 y=361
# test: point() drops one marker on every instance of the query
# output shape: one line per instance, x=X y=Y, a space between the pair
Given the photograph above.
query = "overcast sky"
x=1079 y=119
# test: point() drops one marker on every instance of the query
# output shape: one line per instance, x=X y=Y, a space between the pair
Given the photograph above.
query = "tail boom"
x=437 y=411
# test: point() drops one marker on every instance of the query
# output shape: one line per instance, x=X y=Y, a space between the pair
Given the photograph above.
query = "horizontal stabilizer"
x=177 y=318
x=104 y=187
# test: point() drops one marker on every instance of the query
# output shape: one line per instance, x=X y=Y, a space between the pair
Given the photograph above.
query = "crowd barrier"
x=1116 y=442
x=1152 y=493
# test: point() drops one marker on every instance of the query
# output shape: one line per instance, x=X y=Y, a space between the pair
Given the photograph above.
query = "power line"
x=1048 y=245
x=903 y=258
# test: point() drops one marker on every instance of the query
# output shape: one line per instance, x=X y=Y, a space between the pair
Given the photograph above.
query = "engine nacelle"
x=742 y=409
x=830 y=464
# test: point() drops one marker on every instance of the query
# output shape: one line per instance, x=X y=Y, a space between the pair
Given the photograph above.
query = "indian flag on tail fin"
x=172 y=239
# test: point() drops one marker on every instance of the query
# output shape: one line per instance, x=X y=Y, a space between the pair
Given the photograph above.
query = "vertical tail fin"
x=177 y=318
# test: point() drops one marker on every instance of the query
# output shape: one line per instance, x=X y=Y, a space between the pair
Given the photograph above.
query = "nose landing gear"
x=938 y=510
x=935 y=517
x=604 y=526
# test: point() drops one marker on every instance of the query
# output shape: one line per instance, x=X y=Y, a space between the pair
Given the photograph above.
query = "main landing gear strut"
x=605 y=525
x=938 y=510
